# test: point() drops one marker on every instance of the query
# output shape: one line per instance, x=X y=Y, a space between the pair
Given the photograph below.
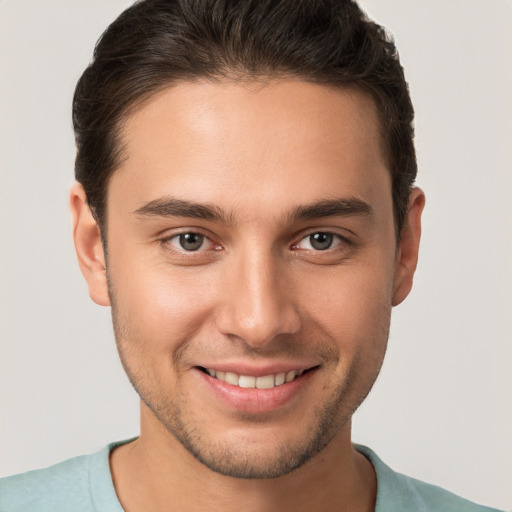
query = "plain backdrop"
x=441 y=410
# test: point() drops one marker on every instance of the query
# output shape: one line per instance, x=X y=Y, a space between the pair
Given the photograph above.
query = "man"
x=245 y=204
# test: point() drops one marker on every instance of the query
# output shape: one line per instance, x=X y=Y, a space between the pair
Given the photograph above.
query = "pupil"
x=321 y=241
x=191 y=241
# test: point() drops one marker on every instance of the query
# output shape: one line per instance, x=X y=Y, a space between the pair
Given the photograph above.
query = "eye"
x=189 y=241
x=320 y=241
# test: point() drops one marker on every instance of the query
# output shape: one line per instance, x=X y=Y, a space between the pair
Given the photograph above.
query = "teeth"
x=291 y=375
x=232 y=378
x=280 y=379
x=267 y=382
x=246 y=381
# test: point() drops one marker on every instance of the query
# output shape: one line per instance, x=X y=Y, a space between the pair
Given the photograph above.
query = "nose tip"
x=258 y=306
x=257 y=328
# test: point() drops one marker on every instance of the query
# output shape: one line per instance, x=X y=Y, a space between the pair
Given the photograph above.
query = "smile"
x=247 y=381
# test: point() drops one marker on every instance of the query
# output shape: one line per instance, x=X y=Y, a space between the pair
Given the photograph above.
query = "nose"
x=258 y=303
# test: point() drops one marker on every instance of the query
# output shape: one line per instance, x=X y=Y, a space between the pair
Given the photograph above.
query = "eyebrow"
x=340 y=207
x=173 y=207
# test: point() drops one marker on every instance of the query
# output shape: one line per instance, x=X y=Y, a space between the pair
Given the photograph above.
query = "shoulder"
x=400 y=493
x=46 y=489
x=77 y=484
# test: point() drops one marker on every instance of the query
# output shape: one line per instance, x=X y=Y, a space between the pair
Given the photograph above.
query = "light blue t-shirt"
x=84 y=484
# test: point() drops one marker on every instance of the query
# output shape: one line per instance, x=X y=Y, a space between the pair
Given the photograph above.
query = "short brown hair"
x=156 y=43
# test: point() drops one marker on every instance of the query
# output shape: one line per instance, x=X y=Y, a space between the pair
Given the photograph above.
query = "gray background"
x=441 y=410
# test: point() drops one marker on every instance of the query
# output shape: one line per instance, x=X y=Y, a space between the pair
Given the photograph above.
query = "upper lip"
x=253 y=370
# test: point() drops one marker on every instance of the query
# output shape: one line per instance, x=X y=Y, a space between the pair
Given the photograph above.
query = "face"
x=252 y=267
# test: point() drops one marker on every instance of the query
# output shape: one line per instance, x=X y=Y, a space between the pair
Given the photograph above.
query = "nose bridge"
x=259 y=304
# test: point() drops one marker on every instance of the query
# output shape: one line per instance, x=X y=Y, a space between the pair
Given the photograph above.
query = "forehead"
x=252 y=144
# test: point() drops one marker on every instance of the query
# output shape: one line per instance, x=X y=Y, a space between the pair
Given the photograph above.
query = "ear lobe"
x=407 y=254
x=88 y=246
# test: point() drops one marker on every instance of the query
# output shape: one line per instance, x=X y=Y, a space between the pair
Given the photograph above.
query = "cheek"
x=354 y=305
x=156 y=306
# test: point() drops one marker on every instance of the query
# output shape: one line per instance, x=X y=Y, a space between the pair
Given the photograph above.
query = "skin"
x=256 y=296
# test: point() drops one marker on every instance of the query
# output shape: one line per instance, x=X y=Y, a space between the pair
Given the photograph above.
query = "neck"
x=156 y=471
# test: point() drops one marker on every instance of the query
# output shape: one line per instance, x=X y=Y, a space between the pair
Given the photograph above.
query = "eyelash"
x=334 y=237
x=168 y=242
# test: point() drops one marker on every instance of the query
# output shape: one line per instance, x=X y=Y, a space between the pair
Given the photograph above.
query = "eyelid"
x=167 y=241
x=335 y=244
x=342 y=240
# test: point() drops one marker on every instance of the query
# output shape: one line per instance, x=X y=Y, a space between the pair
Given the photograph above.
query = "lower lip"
x=253 y=400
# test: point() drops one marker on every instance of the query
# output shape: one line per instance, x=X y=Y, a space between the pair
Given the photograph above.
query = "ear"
x=407 y=254
x=89 y=249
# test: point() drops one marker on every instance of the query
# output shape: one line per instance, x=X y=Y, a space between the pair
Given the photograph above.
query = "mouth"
x=263 y=382
x=255 y=391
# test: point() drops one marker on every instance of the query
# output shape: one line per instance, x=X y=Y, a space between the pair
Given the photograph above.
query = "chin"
x=257 y=460
x=266 y=450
